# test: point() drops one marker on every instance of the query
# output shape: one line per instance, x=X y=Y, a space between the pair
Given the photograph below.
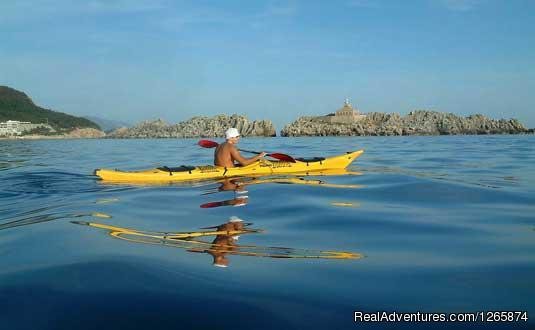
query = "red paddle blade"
x=239 y=201
x=283 y=157
x=211 y=204
x=207 y=144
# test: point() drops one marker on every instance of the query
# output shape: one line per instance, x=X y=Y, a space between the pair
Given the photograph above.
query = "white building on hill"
x=15 y=127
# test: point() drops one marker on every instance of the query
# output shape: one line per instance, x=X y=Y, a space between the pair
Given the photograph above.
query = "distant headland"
x=21 y=118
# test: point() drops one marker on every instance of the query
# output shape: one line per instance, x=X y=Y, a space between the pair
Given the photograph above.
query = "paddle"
x=239 y=201
x=279 y=156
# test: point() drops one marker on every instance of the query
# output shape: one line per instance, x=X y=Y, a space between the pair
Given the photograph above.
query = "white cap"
x=231 y=133
x=235 y=219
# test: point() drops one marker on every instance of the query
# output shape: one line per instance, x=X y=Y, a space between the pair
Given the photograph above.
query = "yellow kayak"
x=304 y=166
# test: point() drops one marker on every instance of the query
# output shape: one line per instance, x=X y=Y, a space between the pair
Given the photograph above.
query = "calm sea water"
x=443 y=224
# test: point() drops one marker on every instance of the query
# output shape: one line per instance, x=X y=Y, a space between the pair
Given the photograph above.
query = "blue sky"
x=138 y=60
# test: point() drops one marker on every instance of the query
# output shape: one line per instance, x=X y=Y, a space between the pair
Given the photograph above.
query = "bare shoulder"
x=226 y=148
x=230 y=147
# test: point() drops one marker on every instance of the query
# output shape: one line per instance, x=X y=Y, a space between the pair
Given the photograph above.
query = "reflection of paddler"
x=232 y=185
x=224 y=244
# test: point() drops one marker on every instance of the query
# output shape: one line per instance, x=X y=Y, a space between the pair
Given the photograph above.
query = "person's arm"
x=244 y=161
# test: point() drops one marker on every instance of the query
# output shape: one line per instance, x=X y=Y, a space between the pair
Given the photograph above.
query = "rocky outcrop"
x=196 y=127
x=419 y=122
x=85 y=133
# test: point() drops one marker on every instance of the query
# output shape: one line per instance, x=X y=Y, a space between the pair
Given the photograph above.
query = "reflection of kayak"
x=191 y=242
x=129 y=234
x=262 y=167
x=238 y=184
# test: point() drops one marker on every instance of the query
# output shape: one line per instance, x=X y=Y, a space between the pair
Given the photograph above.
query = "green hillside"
x=16 y=105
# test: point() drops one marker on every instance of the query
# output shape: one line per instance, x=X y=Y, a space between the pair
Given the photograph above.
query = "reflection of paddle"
x=279 y=156
x=238 y=201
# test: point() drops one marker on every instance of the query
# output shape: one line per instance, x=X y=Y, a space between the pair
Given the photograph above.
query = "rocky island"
x=348 y=121
x=196 y=127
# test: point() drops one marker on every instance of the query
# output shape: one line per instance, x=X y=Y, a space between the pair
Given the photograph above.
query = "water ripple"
x=448 y=217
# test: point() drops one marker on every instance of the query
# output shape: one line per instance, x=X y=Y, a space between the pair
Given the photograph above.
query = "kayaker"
x=226 y=153
x=224 y=244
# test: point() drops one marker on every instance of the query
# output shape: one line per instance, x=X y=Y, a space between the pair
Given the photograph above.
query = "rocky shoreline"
x=196 y=127
x=20 y=118
x=419 y=122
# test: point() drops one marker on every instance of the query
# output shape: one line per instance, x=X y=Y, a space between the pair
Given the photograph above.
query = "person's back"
x=226 y=153
x=223 y=155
